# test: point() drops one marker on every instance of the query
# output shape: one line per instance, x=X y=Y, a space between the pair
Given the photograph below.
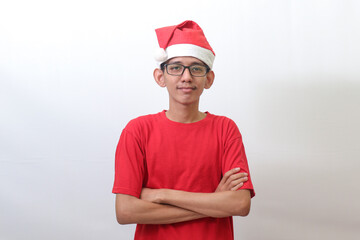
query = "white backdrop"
x=73 y=73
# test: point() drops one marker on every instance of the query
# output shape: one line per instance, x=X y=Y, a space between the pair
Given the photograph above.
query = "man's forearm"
x=218 y=204
x=130 y=209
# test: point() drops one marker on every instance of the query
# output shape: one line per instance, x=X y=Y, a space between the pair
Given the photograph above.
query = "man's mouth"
x=192 y=88
x=186 y=89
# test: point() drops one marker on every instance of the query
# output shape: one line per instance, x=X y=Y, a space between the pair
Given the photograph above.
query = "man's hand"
x=232 y=180
x=150 y=195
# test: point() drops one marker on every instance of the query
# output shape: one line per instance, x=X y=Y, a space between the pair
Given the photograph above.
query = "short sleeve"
x=129 y=165
x=234 y=155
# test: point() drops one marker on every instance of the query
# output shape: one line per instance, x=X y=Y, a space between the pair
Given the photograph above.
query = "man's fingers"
x=236 y=176
x=229 y=174
x=238 y=181
x=237 y=186
x=232 y=180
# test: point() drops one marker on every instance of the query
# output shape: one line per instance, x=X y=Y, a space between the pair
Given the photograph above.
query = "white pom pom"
x=160 y=55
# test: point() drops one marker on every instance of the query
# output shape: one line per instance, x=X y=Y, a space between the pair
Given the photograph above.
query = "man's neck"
x=185 y=114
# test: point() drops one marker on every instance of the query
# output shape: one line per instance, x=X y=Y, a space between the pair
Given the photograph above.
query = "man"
x=182 y=173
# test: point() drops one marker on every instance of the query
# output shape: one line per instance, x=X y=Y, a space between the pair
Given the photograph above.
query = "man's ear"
x=210 y=76
x=159 y=77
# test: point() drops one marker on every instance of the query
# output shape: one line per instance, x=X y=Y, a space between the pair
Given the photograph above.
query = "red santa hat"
x=185 y=39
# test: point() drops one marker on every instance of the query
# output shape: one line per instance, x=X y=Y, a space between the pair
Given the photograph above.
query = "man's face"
x=186 y=89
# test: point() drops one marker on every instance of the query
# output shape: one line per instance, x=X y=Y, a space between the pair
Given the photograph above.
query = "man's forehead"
x=186 y=60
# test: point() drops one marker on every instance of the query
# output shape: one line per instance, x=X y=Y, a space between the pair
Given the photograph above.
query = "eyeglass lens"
x=178 y=69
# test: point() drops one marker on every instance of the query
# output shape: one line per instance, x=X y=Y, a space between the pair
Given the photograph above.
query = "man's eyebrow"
x=192 y=63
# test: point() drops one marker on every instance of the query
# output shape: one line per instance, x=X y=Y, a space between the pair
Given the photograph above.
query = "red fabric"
x=187 y=32
x=155 y=152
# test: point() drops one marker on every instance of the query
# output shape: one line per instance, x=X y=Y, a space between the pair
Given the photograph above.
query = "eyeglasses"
x=177 y=69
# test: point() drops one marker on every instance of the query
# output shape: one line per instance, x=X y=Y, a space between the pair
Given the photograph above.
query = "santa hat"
x=185 y=39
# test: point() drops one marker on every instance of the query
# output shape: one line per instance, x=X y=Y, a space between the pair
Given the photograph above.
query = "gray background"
x=73 y=73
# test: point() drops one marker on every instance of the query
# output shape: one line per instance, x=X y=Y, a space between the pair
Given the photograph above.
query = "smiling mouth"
x=187 y=88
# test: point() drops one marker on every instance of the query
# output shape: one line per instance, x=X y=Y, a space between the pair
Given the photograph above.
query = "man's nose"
x=186 y=76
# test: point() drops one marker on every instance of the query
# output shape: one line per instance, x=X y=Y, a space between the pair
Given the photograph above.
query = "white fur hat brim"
x=185 y=50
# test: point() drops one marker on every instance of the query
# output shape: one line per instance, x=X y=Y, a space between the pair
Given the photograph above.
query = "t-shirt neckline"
x=198 y=123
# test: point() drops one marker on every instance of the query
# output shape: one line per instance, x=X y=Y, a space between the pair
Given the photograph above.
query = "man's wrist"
x=161 y=195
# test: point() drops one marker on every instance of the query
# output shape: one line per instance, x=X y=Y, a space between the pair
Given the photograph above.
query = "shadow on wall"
x=306 y=163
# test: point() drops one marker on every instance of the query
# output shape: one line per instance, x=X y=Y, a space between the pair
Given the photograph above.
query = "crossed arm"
x=164 y=206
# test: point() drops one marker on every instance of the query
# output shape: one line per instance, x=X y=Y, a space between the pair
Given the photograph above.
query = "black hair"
x=162 y=66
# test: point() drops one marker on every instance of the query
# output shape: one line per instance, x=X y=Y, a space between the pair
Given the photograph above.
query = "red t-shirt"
x=156 y=152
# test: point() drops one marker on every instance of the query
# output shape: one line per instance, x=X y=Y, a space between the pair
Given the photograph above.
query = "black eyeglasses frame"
x=164 y=65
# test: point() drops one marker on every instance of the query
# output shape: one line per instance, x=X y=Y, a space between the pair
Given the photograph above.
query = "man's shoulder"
x=143 y=120
x=222 y=119
x=226 y=125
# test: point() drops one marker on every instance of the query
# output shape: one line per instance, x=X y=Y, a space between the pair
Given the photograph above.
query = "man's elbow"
x=123 y=217
x=122 y=209
x=122 y=220
x=244 y=211
x=243 y=207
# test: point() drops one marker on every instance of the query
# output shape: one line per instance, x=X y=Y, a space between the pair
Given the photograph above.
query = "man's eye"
x=175 y=68
x=197 y=69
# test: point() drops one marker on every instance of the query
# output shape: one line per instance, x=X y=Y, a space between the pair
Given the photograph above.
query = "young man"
x=182 y=173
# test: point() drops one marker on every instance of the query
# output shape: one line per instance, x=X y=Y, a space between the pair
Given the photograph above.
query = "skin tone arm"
x=221 y=203
x=130 y=209
x=217 y=204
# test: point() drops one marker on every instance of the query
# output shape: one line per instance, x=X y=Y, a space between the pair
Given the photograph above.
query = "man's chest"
x=184 y=161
